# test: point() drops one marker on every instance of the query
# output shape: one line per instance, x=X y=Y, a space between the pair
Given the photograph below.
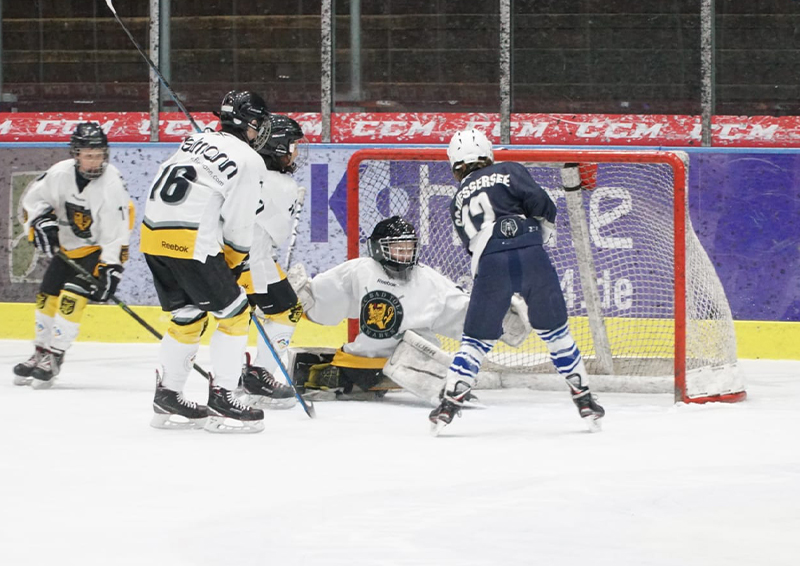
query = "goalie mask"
x=469 y=150
x=282 y=151
x=244 y=112
x=88 y=145
x=394 y=245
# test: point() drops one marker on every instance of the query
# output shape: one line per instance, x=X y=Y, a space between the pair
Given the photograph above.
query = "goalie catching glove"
x=44 y=233
x=515 y=324
x=301 y=283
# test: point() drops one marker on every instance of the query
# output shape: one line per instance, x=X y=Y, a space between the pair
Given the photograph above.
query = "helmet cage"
x=262 y=134
x=89 y=135
x=381 y=251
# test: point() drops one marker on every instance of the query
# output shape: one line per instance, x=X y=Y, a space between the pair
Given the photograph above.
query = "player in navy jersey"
x=504 y=218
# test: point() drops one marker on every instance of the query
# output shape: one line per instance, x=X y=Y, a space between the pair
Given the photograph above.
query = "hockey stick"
x=308 y=406
x=93 y=280
x=300 y=204
x=154 y=67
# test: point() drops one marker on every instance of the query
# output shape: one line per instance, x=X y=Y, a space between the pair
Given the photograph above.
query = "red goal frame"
x=562 y=155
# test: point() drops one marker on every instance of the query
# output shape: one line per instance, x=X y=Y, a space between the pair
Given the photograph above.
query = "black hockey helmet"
x=383 y=248
x=88 y=135
x=238 y=112
x=279 y=151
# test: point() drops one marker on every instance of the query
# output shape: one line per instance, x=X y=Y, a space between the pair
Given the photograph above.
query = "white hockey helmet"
x=469 y=146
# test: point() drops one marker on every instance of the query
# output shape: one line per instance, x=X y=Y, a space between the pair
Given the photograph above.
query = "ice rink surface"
x=84 y=480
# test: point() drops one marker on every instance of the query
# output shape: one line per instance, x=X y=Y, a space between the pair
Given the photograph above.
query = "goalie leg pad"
x=419 y=367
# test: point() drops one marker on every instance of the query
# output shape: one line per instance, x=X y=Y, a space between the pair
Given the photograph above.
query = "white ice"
x=84 y=480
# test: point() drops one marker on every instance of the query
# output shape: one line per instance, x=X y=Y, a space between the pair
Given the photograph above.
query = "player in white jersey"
x=197 y=230
x=268 y=290
x=81 y=206
x=389 y=293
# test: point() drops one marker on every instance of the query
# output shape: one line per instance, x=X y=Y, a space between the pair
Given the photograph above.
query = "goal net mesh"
x=631 y=235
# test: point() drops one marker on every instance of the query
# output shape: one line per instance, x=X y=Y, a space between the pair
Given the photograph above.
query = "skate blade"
x=175 y=422
x=592 y=424
x=42 y=384
x=437 y=427
x=225 y=425
x=22 y=380
x=268 y=403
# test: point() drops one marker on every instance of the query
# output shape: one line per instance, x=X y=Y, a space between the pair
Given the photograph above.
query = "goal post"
x=646 y=306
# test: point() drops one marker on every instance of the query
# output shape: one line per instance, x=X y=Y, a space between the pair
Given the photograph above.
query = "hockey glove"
x=45 y=234
x=109 y=276
x=301 y=283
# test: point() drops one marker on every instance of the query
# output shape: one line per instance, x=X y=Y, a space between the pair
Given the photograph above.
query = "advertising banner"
x=744 y=208
x=437 y=128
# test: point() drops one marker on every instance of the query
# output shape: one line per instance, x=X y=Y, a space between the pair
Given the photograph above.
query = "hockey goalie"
x=401 y=305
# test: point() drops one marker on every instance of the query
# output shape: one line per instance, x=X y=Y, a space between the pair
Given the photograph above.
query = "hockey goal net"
x=646 y=306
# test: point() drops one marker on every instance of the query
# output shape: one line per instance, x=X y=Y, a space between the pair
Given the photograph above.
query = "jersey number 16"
x=174 y=183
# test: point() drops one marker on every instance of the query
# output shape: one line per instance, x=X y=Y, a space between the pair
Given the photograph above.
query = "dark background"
x=575 y=56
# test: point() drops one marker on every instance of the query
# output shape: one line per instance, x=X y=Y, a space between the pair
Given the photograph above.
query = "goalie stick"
x=153 y=66
x=93 y=280
x=308 y=406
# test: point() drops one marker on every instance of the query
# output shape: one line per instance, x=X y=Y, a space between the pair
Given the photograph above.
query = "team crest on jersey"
x=508 y=227
x=381 y=314
x=80 y=219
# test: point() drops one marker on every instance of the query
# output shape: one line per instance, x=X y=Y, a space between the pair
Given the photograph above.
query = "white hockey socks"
x=64 y=333
x=43 y=329
x=280 y=335
x=46 y=307
x=564 y=352
x=176 y=359
x=463 y=371
x=227 y=358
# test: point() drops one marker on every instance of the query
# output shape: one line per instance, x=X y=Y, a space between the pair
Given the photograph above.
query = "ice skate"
x=589 y=410
x=44 y=374
x=172 y=411
x=261 y=389
x=227 y=414
x=443 y=415
x=23 y=370
x=450 y=406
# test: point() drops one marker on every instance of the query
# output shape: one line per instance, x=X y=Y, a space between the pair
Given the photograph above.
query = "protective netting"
x=630 y=221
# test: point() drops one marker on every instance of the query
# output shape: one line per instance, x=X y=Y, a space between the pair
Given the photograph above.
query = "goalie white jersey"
x=204 y=200
x=279 y=202
x=427 y=303
x=98 y=216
